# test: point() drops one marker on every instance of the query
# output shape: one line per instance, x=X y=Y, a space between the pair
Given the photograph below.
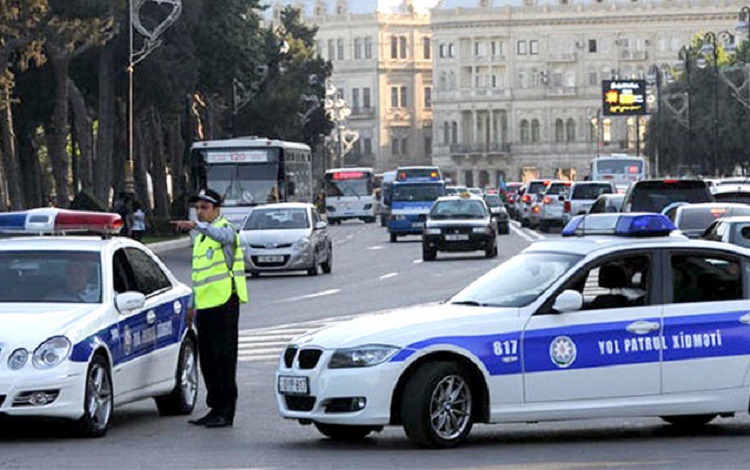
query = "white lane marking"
x=538 y=236
x=265 y=338
x=310 y=296
x=376 y=247
x=417 y=261
x=389 y=275
x=522 y=233
x=266 y=358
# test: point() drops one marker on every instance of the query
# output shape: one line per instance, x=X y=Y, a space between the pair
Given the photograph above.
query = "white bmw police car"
x=624 y=318
x=88 y=323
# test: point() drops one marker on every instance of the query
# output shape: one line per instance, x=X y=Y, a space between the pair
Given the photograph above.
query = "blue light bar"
x=621 y=225
x=13 y=221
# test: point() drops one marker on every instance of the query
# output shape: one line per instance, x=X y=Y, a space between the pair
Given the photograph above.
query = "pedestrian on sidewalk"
x=219 y=286
x=139 y=222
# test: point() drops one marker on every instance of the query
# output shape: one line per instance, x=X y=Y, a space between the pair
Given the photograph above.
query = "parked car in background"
x=735 y=230
x=607 y=203
x=499 y=214
x=694 y=219
x=552 y=205
x=656 y=195
x=583 y=194
x=289 y=236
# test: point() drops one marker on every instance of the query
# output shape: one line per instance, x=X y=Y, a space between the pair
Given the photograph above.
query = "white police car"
x=88 y=323
x=628 y=320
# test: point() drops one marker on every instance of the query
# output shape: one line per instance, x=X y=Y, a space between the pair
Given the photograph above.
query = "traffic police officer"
x=219 y=286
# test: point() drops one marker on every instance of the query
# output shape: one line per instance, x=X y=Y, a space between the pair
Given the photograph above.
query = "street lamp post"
x=685 y=63
x=654 y=75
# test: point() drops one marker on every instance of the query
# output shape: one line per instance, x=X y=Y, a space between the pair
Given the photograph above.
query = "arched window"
x=535 y=130
x=524 y=131
x=559 y=130
x=454 y=132
x=570 y=130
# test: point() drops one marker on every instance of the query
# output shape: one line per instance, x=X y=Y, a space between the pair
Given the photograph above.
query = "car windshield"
x=536 y=187
x=653 y=196
x=493 y=200
x=458 y=209
x=50 y=276
x=517 y=282
x=277 y=219
x=417 y=192
x=590 y=191
x=733 y=196
x=556 y=189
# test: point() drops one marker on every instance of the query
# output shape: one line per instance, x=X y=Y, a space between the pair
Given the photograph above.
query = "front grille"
x=269 y=247
x=295 y=403
x=270 y=265
x=308 y=358
x=289 y=354
x=457 y=230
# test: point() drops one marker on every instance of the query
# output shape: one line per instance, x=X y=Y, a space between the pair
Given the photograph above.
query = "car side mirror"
x=129 y=301
x=568 y=301
x=320 y=225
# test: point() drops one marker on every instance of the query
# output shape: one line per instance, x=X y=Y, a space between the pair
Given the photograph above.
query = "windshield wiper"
x=472 y=303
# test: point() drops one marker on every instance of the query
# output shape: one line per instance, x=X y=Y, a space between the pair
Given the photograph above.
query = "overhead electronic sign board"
x=624 y=97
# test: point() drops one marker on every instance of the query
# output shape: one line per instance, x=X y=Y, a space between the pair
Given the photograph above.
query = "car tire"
x=441 y=388
x=313 y=271
x=505 y=229
x=254 y=273
x=428 y=254
x=98 y=400
x=394 y=238
x=491 y=251
x=543 y=227
x=181 y=400
x=327 y=265
x=344 y=433
x=525 y=223
x=689 y=421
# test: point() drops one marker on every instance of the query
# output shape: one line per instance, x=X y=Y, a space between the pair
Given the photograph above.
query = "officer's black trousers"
x=218 y=330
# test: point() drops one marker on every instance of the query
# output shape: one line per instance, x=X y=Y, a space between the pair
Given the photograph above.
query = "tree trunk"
x=30 y=173
x=57 y=134
x=176 y=149
x=104 y=158
x=158 y=167
x=10 y=154
x=82 y=123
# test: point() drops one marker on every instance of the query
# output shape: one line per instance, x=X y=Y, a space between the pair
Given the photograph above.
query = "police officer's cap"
x=208 y=195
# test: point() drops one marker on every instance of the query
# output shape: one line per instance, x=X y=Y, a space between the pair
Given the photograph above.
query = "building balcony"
x=562 y=57
x=485 y=148
x=363 y=113
x=498 y=59
x=634 y=55
x=562 y=91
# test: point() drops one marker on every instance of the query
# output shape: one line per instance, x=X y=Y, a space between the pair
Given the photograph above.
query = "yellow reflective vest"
x=213 y=281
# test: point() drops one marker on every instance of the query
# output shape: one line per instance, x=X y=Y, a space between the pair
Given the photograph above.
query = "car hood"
x=406 y=326
x=24 y=325
x=265 y=237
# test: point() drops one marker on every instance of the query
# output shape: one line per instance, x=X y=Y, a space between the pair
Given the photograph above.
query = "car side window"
x=598 y=207
x=122 y=273
x=705 y=278
x=615 y=283
x=315 y=217
x=148 y=275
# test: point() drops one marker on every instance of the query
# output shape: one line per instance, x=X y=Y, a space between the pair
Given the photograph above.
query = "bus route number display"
x=237 y=156
x=624 y=97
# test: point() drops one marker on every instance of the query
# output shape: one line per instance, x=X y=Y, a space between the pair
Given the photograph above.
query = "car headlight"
x=18 y=359
x=432 y=231
x=51 y=353
x=302 y=243
x=479 y=229
x=362 y=356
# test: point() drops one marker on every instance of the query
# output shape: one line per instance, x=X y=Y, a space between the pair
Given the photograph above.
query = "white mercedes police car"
x=88 y=323
x=622 y=318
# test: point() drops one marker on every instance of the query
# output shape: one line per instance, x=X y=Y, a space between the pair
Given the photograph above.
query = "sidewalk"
x=160 y=247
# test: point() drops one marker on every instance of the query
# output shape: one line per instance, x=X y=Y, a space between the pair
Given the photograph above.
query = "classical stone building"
x=517 y=89
x=382 y=65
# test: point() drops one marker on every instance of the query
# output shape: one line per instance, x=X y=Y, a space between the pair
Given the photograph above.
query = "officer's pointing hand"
x=183 y=224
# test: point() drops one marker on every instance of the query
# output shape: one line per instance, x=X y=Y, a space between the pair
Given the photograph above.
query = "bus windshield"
x=349 y=184
x=417 y=192
x=619 y=166
x=244 y=183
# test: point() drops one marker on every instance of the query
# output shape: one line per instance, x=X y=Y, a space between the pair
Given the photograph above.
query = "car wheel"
x=543 y=227
x=524 y=222
x=491 y=251
x=394 y=238
x=327 y=265
x=505 y=229
x=689 y=421
x=98 y=399
x=314 y=270
x=437 y=405
x=428 y=254
x=343 y=433
x=181 y=400
x=254 y=273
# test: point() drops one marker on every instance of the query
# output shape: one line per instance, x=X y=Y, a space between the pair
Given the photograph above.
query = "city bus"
x=386 y=188
x=350 y=194
x=410 y=199
x=621 y=169
x=248 y=171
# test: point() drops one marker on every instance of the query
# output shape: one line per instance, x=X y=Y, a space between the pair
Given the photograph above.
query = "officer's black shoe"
x=201 y=421
x=218 y=421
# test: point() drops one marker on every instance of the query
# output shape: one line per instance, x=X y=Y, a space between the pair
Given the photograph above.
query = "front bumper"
x=286 y=259
x=476 y=241
x=326 y=386
x=67 y=383
x=412 y=225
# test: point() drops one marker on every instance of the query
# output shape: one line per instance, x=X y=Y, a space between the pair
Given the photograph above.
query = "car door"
x=706 y=321
x=320 y=236
x=608 y=349
x=164 y=315
x=132 y=363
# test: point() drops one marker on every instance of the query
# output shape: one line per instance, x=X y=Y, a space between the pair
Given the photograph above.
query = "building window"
x=428 y=145
x=454 y=132
x=594 y=130
x=355 y=99
x=357 y=48
x=521 y=48
x=394 y=97
x=592 y=45
x=450 y=50
x=402 y=47
x=593 y=79
x=570 y=130
x=394 y=146
x=340 y=47
x=524 y=131
x=446 y=133
x=559 y=130
x=534 y=47
x=394 y=47
x=427 y=48
x=368 y=48
x=535 y=130
x=441 y=51
x=428 y=97
x=607 y=130
x=331 y=49
x=557 y=79
x=366 y=98
x=367 y=144
x=405 y=146
x=404 y=103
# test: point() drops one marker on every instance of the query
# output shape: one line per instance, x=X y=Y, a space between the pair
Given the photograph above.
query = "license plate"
x=271 y=259
x=453 y=238
x=417 y=224
x=293 y=385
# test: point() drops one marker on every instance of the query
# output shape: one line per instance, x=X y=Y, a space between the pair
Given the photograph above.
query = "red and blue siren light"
x=621 y=225
x=52 y=220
